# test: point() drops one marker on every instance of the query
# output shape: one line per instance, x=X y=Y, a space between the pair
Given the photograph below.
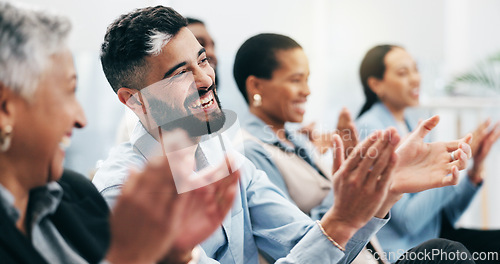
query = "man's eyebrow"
x=201 y=51
x=173 y=69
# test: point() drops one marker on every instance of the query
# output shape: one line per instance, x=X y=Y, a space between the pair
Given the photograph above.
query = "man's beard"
x=195 y=125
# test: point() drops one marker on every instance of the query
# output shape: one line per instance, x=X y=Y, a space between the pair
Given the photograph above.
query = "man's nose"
x=202 y=80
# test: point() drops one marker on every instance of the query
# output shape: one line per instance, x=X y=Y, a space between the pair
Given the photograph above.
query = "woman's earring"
x=257 y=100
x=5 y=138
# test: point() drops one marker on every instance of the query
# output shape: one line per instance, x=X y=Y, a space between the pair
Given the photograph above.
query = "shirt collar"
x=390 y=120
x=257 y=128
x=212 y=146
x=7 y=202
x=43 y=201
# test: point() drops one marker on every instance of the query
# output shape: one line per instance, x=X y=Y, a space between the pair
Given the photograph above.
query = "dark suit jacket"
x=81 y=219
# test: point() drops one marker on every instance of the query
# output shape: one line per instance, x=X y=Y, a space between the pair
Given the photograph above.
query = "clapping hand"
x=151 y=221
x=361 y=183
x=424 y=166
x=483 y=139
x=347 y=131
x=324 y=141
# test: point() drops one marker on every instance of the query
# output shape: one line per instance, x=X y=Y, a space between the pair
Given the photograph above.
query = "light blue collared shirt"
x=260 y=219
x=416 y=217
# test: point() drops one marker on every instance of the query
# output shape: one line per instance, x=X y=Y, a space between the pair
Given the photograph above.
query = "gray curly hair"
x=28 y=37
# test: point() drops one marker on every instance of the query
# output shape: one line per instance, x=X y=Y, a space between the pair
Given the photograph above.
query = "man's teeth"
x=203 y=102
x=65 y=142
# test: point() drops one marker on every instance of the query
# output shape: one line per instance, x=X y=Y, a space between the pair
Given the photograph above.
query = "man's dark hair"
x=192 y=20
x=129 y=39
x=257 y=57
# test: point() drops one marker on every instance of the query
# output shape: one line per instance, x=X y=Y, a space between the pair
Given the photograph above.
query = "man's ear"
x=375 y=85
x=254 y=86
x=129 y=97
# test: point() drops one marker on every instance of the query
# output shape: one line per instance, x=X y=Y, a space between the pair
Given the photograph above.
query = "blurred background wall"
x=445 y=37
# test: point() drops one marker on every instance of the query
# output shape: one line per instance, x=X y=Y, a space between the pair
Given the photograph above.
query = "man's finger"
x=356 y=156
x=227 y=192
x=344 y=117
x=353 y=142
x=460 y=161
x=371 y=158
x=455 y=144
x=383 y=161
x=489 y=141
x=451 y=179
x=426 y=126
x=338 y=157
x=386 y=175
x=483 y=127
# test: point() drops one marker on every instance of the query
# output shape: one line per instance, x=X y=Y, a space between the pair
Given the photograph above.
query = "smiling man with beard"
x=201 y=113
x=160 y=71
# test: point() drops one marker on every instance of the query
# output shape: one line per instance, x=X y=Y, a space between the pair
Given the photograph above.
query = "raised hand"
x=483 y=139
x=152 y=221
x=424 y=166
x=322 y=141
x=146 y=216
x=308 y=130
x=207 y=206
x=361 y=183
x=347 y=131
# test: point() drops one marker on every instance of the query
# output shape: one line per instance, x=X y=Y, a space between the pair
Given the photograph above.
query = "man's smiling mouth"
x=204 y=103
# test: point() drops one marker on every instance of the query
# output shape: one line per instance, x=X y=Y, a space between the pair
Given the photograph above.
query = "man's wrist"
x=340 y=231
x=391 y=199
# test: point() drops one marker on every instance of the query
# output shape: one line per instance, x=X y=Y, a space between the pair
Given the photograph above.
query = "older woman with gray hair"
x=49 y=218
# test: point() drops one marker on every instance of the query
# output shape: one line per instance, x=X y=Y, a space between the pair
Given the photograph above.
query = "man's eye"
x=181 y=72
x=204 y=61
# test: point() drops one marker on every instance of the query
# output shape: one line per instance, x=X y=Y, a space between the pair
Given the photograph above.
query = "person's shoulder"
x=368 y=123
x=115 y=169
x=77 y=188
x=74 y=183
x=88 y=213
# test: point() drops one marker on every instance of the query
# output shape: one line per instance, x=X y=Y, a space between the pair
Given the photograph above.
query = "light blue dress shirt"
x=417 y=217
x=260 y=219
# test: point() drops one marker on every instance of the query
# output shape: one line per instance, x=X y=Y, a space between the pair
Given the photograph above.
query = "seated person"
x=159 y=70
x=200 y=31
x=272 y=72
x=49 y=219
x=391 y=83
